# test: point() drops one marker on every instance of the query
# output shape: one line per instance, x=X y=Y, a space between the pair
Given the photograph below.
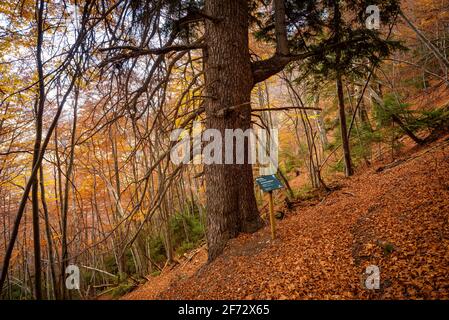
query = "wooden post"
x=272 y=220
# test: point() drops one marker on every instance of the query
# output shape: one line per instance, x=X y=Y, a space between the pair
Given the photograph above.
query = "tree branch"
x=137 y=52
x=190 y=17
x=264 y=69
x=286 y=108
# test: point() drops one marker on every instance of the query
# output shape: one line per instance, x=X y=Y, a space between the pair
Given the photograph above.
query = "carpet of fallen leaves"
x=397 y=219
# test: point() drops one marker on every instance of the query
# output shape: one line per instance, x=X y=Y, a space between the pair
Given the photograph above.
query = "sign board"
x=269 y=183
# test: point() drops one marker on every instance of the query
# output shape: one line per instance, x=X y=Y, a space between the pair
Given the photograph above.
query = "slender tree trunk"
x=167 y=232
x=118 y=215
x=231 y=203
x=51 y=261
x=341 y=100
x=27 y=189
x=65 y=203
x=320 y=123
x=441 y=58
x=343 y=128
x=37 y=147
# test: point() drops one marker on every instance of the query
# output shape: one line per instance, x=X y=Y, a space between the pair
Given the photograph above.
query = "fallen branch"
x=286 y=108
x=98 y=270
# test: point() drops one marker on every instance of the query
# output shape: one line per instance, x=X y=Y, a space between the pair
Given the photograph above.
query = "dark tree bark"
x=51 y=259
x=231 y=203
x=343 y=128
x=39 y=111
x=341 y=101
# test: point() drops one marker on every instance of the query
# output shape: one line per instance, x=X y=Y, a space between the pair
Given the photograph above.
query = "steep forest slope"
x=395 y=216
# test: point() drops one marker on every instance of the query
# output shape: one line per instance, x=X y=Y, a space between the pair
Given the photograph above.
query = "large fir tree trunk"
x=231 y=203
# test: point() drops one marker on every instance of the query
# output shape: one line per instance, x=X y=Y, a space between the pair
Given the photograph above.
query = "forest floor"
x=394 y=215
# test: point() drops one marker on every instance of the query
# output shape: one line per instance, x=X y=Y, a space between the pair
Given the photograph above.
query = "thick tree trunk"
x=231 y=203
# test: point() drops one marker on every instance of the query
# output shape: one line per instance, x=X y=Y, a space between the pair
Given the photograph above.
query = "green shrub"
x=362 y=139
x=155 y=273
x=388 y=248
x=112 y=267
x=417 y=83
x=433 y=119
x=110 y=264
x=122 y=289
x=157 y=249
x=187 y=232
x=383 y=113
x=304 y=193
x=289 y=161
x=337 y=167
x=17 y=293
x=184 y=247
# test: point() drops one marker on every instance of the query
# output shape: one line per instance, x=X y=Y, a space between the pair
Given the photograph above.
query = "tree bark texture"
x=231 y=203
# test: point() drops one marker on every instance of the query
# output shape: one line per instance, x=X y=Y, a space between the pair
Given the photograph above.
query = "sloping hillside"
x=395 y=216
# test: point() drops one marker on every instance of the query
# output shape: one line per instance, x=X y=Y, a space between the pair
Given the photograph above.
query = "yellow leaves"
x=298 y=115
x=14 y=256
x=17 y=15
x=6 y=116
x=139 y=216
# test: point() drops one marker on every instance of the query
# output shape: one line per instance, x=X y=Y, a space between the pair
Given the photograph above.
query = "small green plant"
x=122 y=289
x=432 y=119
x=388 y=248
x=18 y=292
x=155 y=273
x=337 y=167
x=184 y=247
x=304 y=193
x=418 y=83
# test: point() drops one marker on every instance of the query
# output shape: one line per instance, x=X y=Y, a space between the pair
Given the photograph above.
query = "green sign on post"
x=268 y=184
